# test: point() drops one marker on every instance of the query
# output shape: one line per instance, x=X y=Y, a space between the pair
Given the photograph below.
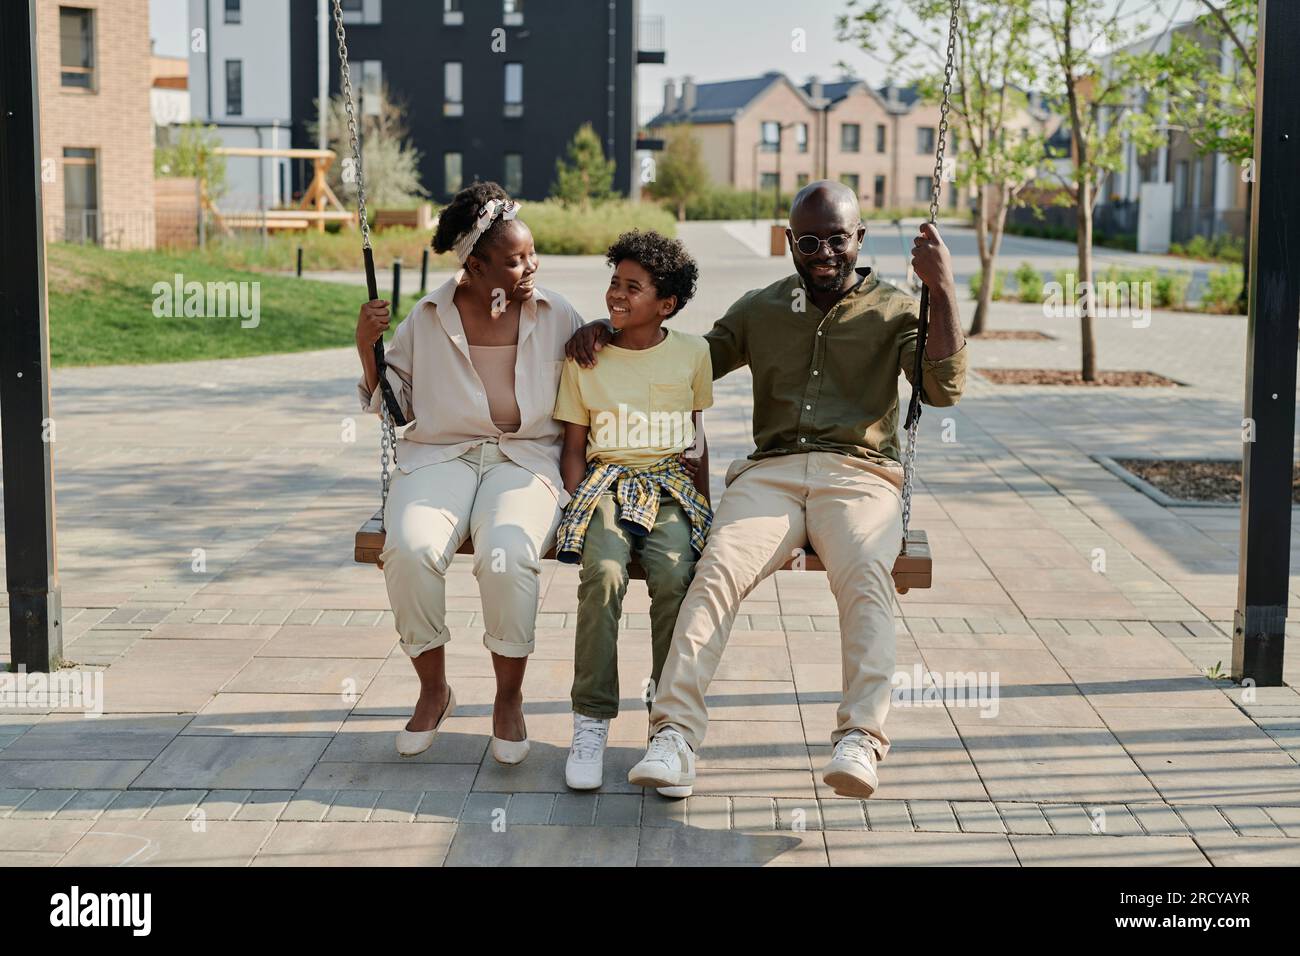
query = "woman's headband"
x=492 y=210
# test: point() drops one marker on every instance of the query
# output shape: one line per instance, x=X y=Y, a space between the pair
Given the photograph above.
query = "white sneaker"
x=668 y=762
x=585 y=768
x=675 y=793
x=852 y=770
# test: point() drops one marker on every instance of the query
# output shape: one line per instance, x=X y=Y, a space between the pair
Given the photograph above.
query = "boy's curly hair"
x=671 y=268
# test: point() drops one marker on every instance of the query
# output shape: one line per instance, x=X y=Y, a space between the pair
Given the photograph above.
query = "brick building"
x=94 y=81
x=879 y=141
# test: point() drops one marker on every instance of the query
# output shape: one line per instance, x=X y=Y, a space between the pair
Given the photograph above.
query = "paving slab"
x=257 y=763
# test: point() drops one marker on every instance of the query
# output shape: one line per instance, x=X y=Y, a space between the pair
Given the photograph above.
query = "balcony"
x=650 y=40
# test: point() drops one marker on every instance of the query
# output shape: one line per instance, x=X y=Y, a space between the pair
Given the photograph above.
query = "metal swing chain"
x=909 y=458
x=388 y=433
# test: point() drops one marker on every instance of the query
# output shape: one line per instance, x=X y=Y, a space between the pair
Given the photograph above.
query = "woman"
x=475 y=366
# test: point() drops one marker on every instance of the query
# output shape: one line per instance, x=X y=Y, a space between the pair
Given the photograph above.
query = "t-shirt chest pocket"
x=671 y=397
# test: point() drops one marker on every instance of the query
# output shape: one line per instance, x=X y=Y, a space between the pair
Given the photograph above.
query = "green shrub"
x=557 y=230
x=1221 y=290
x=1029 y=282
x=999 y=280
x=1171 y=290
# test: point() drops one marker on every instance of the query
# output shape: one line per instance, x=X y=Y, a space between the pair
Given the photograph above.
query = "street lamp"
x=758 y=144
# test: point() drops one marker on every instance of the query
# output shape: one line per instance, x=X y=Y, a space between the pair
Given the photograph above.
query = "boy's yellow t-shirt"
x=637 y=403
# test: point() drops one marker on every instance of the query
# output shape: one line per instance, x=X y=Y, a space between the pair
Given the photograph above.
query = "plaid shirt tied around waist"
x=636 y=492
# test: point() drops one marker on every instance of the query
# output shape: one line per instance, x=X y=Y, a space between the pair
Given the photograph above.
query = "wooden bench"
x=911 y=568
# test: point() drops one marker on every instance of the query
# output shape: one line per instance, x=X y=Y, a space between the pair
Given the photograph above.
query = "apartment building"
x=239 y=83
x=93 y=61
x=494 y=89
x=1186 y=193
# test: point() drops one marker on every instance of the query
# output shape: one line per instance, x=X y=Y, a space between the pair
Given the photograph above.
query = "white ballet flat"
x=509 y=751
x=412 y=742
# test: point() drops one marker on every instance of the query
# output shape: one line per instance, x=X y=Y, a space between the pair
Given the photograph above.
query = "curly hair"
x=459 y=215
x=671 y=268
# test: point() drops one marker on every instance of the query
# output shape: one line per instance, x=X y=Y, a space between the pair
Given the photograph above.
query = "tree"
x=1102 y=113
x=680 y=175
x=389 y=163
x=192 y=154
x=587 y=177
x=991 y=63
x=1214 y=107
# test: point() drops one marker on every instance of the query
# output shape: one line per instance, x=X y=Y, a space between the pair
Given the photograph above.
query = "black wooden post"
x=424 y=271
x=300 y=262
x=1258 y=634
x=397 y=287
x=31 y=568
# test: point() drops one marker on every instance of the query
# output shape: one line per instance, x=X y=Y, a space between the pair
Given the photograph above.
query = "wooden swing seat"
x=911 y=567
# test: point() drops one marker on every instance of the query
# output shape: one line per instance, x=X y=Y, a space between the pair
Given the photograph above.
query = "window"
x=234 y=87
x=513 y=178
x=879 y=190
x=850 y=180
x=80 y=195
x=801 y=137
x=453 y=102
x=232 y=11
x=769 y=136
x=801 y=180
x=767 y=182
x=1180 y=184
x=880 y=137
x=925 y=139
x=77 y=48
x=850 y=135
x=361 y=11
x=451 y=173
x=924 y=188
x=514 y=89
x=453 y=14
x=372 y=87
x=512 y=12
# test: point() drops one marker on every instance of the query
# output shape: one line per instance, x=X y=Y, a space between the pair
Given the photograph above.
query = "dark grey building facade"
x=494 y=89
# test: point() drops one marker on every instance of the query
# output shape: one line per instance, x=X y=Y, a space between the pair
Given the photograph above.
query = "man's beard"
x=831 y=283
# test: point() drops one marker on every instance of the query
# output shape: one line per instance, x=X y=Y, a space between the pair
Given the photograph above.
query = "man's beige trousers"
x=853 y=518
x=510 y=515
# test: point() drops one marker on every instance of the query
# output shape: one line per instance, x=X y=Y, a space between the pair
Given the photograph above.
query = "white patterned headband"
x=492 y=210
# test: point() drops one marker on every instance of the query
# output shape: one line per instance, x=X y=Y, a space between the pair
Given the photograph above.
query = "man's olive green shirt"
x=829 y=381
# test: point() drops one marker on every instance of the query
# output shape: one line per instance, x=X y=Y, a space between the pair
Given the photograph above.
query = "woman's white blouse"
x=430 y=372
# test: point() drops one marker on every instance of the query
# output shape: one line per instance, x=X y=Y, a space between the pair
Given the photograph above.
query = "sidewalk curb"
x=1154 y=493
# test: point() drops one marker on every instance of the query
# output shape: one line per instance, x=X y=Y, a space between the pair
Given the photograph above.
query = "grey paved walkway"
x=253 y=683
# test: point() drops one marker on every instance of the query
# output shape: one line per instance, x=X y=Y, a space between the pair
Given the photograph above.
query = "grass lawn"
x=102 y=310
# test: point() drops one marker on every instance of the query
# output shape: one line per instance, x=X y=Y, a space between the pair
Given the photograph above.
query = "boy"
x=638 y=484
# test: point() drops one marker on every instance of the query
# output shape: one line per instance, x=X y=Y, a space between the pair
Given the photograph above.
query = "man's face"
x=825 y=270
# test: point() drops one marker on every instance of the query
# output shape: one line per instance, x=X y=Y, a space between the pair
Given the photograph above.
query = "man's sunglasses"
x=809 y=244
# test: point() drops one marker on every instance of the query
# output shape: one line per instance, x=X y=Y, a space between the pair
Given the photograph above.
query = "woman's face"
x=509 y=262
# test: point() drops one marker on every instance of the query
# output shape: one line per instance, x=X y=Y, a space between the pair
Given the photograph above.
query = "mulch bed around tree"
x=1057 y=376
x=1197 y=480
x=1013 y=335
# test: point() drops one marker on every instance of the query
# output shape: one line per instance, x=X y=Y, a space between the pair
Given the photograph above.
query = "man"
x=825 y=347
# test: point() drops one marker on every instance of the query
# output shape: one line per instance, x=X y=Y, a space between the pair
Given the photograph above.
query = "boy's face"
x=632 y=299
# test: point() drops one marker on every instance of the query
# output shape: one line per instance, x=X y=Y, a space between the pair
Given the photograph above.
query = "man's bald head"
x=824 y=203
x=827 y=211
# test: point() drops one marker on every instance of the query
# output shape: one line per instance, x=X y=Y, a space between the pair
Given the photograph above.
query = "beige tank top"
x=495 y=365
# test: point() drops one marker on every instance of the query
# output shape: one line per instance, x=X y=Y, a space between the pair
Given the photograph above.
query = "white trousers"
x=507 y=512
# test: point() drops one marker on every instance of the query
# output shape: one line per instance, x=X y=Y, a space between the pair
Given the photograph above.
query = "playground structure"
x=311 y=210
